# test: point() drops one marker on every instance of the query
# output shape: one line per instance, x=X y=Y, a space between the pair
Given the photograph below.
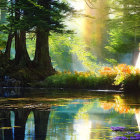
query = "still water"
x=40 y=114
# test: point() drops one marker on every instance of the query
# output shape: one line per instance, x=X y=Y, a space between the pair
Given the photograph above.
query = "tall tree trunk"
x=21 y=58
x=42 y=58
x=8 y=46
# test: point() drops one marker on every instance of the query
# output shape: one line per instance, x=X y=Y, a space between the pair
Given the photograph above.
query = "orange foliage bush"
x=106 y=71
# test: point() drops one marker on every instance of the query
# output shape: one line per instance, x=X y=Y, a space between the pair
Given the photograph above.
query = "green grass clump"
x=81 y=80
x=121 y=76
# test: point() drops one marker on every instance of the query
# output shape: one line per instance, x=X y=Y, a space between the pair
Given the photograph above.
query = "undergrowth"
x=121 y=76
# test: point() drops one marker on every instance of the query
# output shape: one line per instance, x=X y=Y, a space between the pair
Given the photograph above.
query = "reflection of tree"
x=122 y=104
x=5 y=124
x=21 y=116
x=94 y=116
x=62 y=119
x=41 y=123
x=10 y=92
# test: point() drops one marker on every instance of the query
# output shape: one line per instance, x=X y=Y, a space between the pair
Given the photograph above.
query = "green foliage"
x=60 y=51
x=64 y=47
x=131 y=82
x=121 y=76
x=76 y=80
x=111 y=61
x=119 y=43
x=3 y=38
x=46 y=15
x=124 y=27
x=126 y=14
x=30 y=43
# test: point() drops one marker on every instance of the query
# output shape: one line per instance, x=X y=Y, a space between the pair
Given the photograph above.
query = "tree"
x=21 y=56
x=52 y=21
x=4 y=29
x=119 y=31
x=95 y=27
x=40 y=17
x=3 y=10
x=124 y=35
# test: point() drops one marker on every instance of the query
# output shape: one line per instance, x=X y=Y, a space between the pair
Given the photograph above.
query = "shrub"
x=105 y=78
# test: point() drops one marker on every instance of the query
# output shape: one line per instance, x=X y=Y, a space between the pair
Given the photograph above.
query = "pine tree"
x=41 y=17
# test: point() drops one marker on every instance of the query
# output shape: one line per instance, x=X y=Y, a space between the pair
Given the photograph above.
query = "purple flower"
x=120 y=138
x=117 y=128
x=129 y=133
x=137 y=135
x=134 y=138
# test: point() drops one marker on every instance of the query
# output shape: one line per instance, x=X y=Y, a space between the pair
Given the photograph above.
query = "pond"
x=40 y=114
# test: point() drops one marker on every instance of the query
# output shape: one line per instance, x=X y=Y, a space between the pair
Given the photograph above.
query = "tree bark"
x=8 y=46
x=21 y=58
x=42 y=58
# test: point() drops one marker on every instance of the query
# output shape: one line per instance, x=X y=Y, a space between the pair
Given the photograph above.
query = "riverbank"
x=121 y=77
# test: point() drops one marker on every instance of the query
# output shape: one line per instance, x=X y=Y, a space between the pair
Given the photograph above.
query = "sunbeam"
x=138 y=61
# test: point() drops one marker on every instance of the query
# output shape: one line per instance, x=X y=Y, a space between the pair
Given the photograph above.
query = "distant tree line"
x=114 y=29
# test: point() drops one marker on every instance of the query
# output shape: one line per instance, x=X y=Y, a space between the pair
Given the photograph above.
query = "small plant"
x=106 y=78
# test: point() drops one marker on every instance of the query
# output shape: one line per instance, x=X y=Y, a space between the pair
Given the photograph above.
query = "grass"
x=116 y=77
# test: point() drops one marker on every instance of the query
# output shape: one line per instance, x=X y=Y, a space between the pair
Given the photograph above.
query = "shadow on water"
x=40 y=114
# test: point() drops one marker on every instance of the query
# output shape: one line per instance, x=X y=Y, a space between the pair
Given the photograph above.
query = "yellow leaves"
x=84 y=74
x=1 y=48
x=121 y=72
x=119 y=105
x=67 y=72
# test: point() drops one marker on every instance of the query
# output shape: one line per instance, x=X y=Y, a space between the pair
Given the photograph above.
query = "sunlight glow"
x=138 y=118
x=83 y=129
x=78 y=5
x=76 y=23
x=138 y=62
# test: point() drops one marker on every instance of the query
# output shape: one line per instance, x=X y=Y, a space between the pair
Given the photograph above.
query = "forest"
x=71 y=44
x=69 y=69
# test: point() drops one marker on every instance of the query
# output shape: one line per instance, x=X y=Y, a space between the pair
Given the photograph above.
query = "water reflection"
x=10 y=92
x=138 y=118
x=85 y=118
x=30 y=127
